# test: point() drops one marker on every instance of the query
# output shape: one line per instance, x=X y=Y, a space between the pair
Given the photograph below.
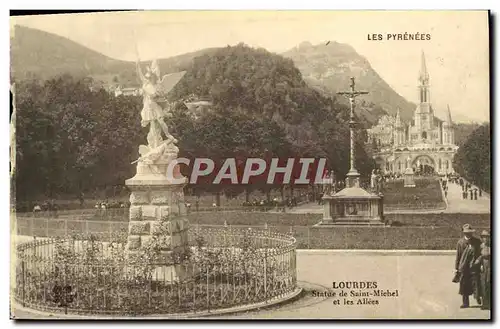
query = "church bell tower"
x=423 y=114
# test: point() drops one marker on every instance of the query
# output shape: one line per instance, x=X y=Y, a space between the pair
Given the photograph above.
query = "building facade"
x=426 y=144
x=127 y=91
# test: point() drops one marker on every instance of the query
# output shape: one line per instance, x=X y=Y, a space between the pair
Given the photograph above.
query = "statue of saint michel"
x=156 y=108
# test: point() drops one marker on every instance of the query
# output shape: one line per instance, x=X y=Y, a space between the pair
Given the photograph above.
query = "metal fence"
x=227 y=267
x=416 y=206
x=92 y=213
x=117 y=214
x=429 y=236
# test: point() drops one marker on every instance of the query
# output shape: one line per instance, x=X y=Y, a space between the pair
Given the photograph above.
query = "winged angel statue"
x=155 y=109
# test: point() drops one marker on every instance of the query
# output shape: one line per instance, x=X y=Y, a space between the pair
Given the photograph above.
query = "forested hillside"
x=71 y=139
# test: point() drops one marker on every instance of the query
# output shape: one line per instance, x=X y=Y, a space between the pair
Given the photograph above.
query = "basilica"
x=426 y=144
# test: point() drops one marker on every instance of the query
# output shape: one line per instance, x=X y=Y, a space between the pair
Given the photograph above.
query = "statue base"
x=409 y=178
x=352 y=178
x=158 y=213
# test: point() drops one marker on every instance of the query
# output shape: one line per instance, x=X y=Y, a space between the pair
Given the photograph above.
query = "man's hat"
x=485 y=233
x=467 y=229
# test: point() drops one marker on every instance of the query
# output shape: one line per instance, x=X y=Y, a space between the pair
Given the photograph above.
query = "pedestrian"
x=446 y=194
x=54 y=208
x=468 y=250
x=471 y=194
x=480 y=192
x=36 y=209
x=484 y=264
x=81 y=198
x=475 y=194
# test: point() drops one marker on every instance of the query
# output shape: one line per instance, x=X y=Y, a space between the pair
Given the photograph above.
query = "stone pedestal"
x=352 y=206
x=409 y=177
x=352 y=178
x=158 y=210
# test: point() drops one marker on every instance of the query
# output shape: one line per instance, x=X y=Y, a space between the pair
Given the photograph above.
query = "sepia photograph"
x=250 y=165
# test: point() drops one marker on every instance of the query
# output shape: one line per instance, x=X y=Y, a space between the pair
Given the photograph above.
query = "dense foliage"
x=74 y=139
x=70 y=139
x=473 y=158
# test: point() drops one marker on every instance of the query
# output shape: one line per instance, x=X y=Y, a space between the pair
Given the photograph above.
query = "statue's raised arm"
x=139 y=72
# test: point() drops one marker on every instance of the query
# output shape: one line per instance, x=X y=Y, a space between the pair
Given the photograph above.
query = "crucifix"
x=352 y=179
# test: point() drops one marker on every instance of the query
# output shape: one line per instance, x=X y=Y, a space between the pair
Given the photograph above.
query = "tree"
x=71 y=139
x=74 y=137
x=473 y=158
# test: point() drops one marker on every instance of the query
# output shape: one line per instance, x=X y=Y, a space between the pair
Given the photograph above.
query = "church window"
x=399 y=165
x=439 y=164
x=424 y=135
x=447 y=164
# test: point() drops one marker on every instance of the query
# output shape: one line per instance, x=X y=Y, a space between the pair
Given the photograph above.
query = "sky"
x=457 y=55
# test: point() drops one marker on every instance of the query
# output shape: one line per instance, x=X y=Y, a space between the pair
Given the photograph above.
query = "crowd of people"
x=469 y=191
x=51 y=208
x=473 y=268
x=103 y=205
x=47 y=207
x=289 y=202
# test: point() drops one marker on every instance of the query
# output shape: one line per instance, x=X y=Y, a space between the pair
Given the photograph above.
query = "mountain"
x=463 y=131
x=250 y=84
x=42 y=55
x=327 y=68
x=39 y=54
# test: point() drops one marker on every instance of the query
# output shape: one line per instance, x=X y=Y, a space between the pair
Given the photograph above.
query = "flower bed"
x=223 y=268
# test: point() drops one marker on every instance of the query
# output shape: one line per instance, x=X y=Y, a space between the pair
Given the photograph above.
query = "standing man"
x=468 y=250
x=484 y=264
x=82 y=199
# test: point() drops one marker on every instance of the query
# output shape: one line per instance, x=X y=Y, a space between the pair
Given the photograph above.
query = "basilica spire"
x=424 y=75
x=448 y=115
x=398 y=119
x=423 y=79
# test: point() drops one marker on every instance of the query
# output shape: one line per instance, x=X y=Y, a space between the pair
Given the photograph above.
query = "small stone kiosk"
x=157 y=210
x=352 y=205
x=409 y=177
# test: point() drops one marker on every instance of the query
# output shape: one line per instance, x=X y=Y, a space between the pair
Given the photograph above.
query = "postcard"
x=251 y=165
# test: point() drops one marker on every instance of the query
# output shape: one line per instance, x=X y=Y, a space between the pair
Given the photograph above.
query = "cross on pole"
x=353 y=175
x=351 y=94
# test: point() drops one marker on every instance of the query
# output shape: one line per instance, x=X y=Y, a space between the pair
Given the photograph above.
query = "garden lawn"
x=425 y=195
